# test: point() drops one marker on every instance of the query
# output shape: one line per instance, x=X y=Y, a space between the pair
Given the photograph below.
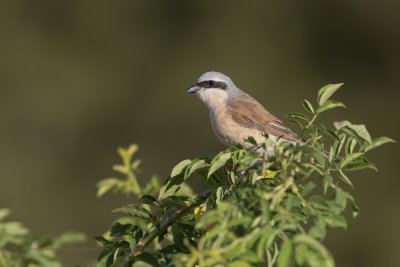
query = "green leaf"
x=359 y=129
x=106 y=185
x=344 y=178
x=336 y=221
x=103 y=242
x=4 y=213
x=318 y=202
x=300 y=116
x=350 y=145
x=327 y=91
x=301 y=254
x=14 y=229
x=307 y=189
x=251 y=140
x=219 y=194
x=147 y=258
x=349 y=158
x=120 y=168
x=285 y=258
x=341 y=197
x=134 y=211
x=147 y=199
x=70 y=238
x=196 y=166
x=329 y=105
x=265 y=209
x=132 y=149
x=249 y=256
x=316 y=154
x=377 y=142
x=328 y=181
x=172 y=201
x=167 y=191
x=239 y=263
x=359 y=164
x=171 y=249
x=179 y=167
x=315 y=245
x=221 y=160
x=307 y=105
x=319 y=229
x=135 y=164
x=41 y=259
x=119 y=229
x=338 y=144
x=301 y=126
x=136 y=235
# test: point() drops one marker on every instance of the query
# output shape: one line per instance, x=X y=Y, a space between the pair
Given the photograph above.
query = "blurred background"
x=79 y=78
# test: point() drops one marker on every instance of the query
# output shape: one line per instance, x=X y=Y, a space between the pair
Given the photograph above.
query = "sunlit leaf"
x=106 y=185
x=221 y=160
x=349 y=158
x=4 y=213
x=359 y=164
x=336 y=221
x=377 y=142
x=344 y=178
x=68 y=238
x=359 y=129
x=196 y=166
x=326 y=92
x=329 y=104
x=179 y=167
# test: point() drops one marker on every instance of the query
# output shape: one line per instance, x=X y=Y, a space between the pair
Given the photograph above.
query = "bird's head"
x=214 y=87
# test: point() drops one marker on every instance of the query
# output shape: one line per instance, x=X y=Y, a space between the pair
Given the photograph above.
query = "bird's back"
x=247 y=112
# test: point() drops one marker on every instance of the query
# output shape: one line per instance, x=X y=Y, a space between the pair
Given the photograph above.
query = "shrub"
x=273 y=208
x=18 y=247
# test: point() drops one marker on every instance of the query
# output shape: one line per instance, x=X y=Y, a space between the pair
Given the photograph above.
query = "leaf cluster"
x=20 y=248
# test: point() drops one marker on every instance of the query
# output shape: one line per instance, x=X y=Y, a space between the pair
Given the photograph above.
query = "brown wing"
x=247 y=112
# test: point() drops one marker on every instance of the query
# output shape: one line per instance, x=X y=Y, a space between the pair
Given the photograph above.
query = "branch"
x=147 y=239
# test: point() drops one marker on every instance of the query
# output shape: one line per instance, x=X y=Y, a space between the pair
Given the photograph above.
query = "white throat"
x=213 y=98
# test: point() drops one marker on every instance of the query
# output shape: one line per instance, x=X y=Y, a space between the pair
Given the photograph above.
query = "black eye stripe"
x=212 y=84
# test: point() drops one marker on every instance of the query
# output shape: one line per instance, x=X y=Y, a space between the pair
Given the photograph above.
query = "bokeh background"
x=79 y=78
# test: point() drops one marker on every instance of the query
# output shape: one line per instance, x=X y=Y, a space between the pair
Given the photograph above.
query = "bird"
x=235 y=115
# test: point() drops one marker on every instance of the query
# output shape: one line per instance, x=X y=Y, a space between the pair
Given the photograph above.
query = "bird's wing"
x=247 y=112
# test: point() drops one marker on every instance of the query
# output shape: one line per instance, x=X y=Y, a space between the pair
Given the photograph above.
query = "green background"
x=79 y=78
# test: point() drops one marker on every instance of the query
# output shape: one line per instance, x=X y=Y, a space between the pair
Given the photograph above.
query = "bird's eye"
x=211 y=83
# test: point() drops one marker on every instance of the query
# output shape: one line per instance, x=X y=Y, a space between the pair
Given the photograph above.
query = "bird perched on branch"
x=235 y=115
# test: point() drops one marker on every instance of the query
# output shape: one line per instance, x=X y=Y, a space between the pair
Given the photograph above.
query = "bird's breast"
x=228 y=131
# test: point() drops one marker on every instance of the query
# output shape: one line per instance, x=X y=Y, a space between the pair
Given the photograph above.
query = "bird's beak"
x=193 y=89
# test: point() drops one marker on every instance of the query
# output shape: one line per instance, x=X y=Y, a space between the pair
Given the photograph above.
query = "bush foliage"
x=272 y=207
x=18 y=247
